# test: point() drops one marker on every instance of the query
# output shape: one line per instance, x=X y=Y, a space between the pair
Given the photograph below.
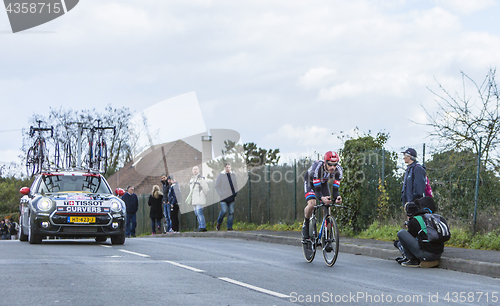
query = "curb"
x=449 y=263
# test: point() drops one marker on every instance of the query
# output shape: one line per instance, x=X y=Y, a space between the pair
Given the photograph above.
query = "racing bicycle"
x=327 y=238
x=97 y=157
x=37 y=158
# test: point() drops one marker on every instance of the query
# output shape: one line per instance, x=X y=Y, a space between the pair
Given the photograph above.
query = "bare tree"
x=66 y=121
x=461 y=120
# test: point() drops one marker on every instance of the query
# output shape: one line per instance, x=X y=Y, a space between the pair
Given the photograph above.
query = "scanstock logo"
x=25 y=14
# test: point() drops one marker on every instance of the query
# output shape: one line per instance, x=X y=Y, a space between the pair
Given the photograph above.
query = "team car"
x=72 y=205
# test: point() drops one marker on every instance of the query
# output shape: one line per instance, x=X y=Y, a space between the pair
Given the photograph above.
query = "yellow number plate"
x=81 y=219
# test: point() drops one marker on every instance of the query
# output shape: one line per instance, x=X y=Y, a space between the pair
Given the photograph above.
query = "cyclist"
x=316 y=185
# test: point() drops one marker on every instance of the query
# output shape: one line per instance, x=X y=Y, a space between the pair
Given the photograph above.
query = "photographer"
x=417 y=252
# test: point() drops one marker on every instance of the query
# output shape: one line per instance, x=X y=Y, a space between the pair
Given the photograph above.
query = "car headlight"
x=116 y=206
x=45 y=204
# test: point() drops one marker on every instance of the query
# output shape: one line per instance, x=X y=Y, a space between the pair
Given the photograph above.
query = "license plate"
x=81 y=219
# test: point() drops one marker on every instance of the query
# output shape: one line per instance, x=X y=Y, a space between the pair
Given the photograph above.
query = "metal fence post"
x=295 y=190
x=423 y=155
x=383 y=167
x=476 y=195
x=249 y=197
x=269 y=194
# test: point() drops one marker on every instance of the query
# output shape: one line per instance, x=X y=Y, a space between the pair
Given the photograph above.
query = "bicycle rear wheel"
x=68 y=157
x=330 y=240
x=103 y=157
x=31 y=162
x=57 y=156
x=309 y=245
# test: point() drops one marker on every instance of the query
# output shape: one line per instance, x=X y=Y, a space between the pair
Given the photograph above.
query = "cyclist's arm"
x=336 y=182
x=317 y=174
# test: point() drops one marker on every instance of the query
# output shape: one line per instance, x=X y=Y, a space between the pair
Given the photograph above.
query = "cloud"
x=273 y=63
x=316 y=77
x=466 y=6
x=304 y=136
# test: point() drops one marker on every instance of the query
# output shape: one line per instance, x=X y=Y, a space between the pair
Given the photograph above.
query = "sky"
x=284 y=74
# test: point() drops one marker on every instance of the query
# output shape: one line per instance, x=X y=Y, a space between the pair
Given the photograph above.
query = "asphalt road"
x=215 y=271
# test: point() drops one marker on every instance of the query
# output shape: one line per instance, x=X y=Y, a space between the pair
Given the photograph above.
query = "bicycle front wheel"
x=57 y=156
x=103 y=163
x=309 y=245
x=330 y=240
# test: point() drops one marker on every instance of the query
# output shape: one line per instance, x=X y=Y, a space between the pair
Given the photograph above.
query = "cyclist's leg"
x=308 y=210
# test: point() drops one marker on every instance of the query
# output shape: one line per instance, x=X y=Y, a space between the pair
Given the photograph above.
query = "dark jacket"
x=223 y=186
x=166 y=187
x=131 y=202
x=414 y=183
x=156 y=210
x=414 y=228
x=174 y=193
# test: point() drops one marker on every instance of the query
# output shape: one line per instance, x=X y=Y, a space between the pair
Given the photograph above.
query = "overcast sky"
x=284 y=74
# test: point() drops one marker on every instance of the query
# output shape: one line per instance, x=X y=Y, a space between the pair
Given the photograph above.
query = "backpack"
x=14 y=228
x=428 y=189
x=434 y=228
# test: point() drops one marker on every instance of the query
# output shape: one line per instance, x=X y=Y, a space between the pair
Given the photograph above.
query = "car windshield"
x=73 y=183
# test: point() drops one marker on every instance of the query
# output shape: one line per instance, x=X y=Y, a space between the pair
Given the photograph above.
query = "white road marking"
x=134 y=253
x=106 y=246
x=183 y=266
x=254 y=287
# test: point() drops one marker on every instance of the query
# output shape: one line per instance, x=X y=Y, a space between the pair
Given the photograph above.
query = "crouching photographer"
x=423 y=242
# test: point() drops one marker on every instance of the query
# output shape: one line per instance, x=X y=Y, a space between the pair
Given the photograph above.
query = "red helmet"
x=332 y=156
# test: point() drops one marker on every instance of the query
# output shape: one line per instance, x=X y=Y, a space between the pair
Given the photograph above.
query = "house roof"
x=173 y=158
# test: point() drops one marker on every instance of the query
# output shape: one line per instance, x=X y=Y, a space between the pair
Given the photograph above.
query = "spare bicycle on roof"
x=37 y=158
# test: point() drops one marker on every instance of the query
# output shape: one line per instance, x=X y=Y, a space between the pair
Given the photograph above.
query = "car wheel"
x=118 y=240
x=101 y=239
x=33 y=237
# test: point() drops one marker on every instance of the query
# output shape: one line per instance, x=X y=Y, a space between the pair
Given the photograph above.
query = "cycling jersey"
x=316 y=181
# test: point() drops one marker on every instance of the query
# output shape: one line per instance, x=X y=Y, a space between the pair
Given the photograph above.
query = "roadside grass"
x=245 y=226
x=460 y=237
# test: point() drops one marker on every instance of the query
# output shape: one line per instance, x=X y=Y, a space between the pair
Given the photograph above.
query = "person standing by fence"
x=226 y=187
x=174 y=194
x=414 y=179
x=198 y=189
x=155 y=212
x=166 y=206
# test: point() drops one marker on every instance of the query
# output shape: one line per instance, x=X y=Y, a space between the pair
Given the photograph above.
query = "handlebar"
x=41 y=129
x=329 y=205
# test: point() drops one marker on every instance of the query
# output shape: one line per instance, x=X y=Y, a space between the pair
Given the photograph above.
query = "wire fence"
x=274 y=194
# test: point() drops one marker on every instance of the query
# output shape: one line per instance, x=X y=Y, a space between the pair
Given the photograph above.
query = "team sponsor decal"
x=78 y=198
x=336 y=183
x=74 y=198
x=83 y=203
x=316 y=182
x=82 y=209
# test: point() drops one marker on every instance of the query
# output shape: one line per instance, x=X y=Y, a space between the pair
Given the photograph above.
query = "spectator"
x=166 y=206
x=3 y=230
x=155 y=212
x=414 y=179
x=14 y=229
x=226 y=187
x=174 y=193
x=132 y=204
x=198 y=189
x=418 y=253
